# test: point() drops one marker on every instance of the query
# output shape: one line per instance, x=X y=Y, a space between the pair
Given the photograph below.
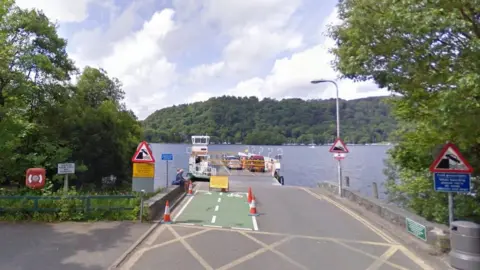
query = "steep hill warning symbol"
x=143 y=154
x=450 y=160
x=338 y=147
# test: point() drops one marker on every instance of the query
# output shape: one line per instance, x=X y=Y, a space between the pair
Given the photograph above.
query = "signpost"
x=339 y=151
x=65 y=169
x=416 y=229
x=143 y=169
x=451 y=173
x=167 y=157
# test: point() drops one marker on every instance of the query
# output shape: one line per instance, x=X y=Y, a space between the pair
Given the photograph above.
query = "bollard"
x=141 y=204
x=375 y=190
x=465 y=245
x=347 y=181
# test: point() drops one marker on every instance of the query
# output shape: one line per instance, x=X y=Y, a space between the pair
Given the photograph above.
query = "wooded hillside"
x=250 y=121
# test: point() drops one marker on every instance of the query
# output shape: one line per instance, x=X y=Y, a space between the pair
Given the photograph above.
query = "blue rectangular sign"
x=167 y=157
x=452 y=182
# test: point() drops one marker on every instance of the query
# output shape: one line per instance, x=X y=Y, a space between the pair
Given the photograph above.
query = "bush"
x=49 y=206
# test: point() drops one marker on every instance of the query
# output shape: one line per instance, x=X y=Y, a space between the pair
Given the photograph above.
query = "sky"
x=170 y=52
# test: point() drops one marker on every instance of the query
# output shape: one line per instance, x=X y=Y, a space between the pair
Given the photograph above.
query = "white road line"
x=183 y=207
x=212 y=226
x=255 y=224
x=213 y=219
x=189 y=224
x=219 y=200
x=216 y=208
x=241 y=229
x=221 y=193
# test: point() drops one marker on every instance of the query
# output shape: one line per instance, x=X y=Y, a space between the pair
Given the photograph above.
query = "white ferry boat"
x=199 y=165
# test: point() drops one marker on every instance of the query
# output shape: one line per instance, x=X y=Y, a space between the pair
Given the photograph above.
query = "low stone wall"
x=437 y=234
x=155 y=206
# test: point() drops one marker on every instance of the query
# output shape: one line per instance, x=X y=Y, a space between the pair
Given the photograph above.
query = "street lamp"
x=339 y=163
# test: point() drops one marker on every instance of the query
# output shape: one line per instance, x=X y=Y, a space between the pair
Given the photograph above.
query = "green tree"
x=425 y=51
x=269 y=121
x=45 y=119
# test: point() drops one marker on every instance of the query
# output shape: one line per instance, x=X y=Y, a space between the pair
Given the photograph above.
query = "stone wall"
x=155 y=206
x=437 y=234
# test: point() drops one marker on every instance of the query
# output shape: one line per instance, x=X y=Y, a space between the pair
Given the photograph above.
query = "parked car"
x=233 y=162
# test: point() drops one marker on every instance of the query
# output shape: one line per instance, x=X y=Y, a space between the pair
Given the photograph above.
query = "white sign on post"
x=66 y=168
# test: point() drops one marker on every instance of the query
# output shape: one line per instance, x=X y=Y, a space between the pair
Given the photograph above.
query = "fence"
x=82 y=203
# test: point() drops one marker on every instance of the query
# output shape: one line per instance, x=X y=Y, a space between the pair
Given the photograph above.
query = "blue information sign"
x=452 y=182
x=167 y=157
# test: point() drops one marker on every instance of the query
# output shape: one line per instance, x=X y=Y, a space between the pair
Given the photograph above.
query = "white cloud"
x=61 y=10
x=291 y=76
x=139 y=62
x=199 y=74
x=200 y=49
x=255 y=45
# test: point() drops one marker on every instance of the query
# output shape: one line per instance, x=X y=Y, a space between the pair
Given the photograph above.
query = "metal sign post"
x=451 y=173
x=339 y=151
x=65 y=169
x=167 y=157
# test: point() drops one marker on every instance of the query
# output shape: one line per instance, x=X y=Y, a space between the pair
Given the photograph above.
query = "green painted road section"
x=219 y=209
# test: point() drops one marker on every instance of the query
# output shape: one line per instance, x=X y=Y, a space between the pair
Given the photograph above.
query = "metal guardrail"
x=48 y=203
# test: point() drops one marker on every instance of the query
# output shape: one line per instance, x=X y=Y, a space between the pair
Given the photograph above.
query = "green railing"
x=80 y=203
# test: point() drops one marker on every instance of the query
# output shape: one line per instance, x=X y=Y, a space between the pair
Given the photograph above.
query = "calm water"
x=301 y=165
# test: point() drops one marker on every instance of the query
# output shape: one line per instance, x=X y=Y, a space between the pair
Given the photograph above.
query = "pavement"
x=297 y=228
x=65 y=246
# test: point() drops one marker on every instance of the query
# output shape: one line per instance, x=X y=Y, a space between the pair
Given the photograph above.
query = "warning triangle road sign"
x=143 y=154
x=450 y=160
x=338 y=147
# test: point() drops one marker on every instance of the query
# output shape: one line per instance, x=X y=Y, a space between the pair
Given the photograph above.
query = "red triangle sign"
x=338 y=147
x=143 y=154
x=450 y=161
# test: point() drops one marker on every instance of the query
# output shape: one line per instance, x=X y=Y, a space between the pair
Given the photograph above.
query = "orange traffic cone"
x=249 y=196
x=190 y=188
x=166 y=214
x=253 y=207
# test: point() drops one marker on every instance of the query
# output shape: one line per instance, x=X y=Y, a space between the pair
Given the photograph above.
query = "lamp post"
x=339 y=163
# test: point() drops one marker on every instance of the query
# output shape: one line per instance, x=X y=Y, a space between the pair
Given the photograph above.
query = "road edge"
x=401 y=237
x=120 y=260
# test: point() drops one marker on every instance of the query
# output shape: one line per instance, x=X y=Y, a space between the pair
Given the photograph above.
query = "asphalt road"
x=65 y=246
x=297 y=229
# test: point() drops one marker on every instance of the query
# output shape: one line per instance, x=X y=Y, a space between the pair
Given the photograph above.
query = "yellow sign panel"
x=144 y=170
x=218 y=181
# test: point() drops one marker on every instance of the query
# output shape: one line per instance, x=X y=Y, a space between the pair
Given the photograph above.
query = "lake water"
x=301 y=165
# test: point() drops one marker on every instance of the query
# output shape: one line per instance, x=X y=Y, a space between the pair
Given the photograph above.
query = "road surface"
x=297 y=228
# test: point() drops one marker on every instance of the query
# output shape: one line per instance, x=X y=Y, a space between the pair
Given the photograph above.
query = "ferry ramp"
x=297 y=228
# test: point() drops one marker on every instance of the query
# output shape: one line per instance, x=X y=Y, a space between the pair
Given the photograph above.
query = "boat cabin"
x=200 y=140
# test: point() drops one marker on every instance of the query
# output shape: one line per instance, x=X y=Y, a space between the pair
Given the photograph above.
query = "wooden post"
x=375 y=190
x=347 y=181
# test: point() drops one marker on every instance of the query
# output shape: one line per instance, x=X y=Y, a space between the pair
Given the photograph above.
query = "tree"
x=425 y=51
x=33 y=68
x=45 y=119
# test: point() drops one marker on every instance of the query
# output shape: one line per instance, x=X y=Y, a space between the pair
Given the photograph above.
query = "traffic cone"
x=253 y=207
x=190 y=188
x=166 y=214
x=249 y=196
